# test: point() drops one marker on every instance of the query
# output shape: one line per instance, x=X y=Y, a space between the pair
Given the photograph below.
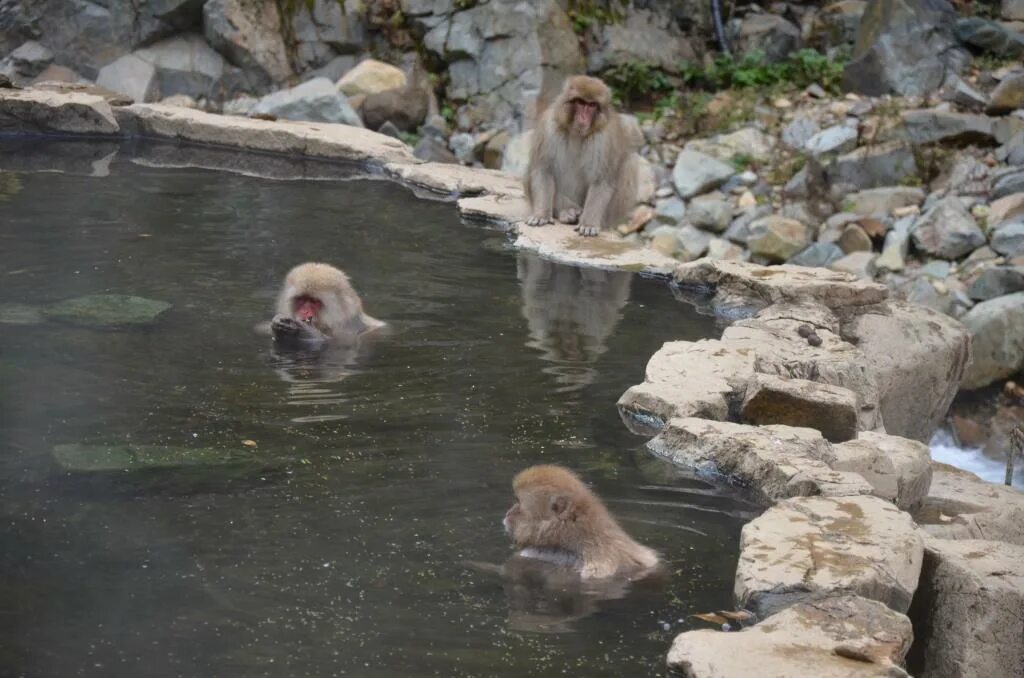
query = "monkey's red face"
x=306 y=308
x=583 y=113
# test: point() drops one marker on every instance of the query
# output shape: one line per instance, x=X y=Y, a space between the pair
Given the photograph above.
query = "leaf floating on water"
x=742 y=616
x=711 y=617
x=249 y=443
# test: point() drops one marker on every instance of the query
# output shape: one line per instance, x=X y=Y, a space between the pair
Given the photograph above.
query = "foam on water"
x=945 y=450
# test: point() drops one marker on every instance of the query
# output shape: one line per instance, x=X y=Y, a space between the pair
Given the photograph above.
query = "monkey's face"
x=586 y=102
x=306 y=308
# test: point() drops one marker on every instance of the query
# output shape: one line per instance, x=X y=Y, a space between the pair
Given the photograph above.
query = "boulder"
x=1008 y=95
x=184 y=64
x=990 y=36
x=837 y=139
x=1008 y=238
x=773 y=462
x=371 y=77
x=854 y=239
x=695 y=173
x=860 y=264
x=250 y=36
x=811 y=546
x=642 y=36
x=798 y=132
x=323 y=28
x=747 y=142
x=768 y=34
x=899 y=469
x=777 y=238
x=27 y=61
x=884 y=164
x=1013 y=10
x=997 y=338
x=948 y=230
x=131 y=76
x=968 y=610
x=1007 y=184
x=1006 y=208
x=433 y=149
x=691 y=243
x=710 y=213
x=997 y=281
x=930 y=126
x=35 y=111
x=405 y=108
x=905 y=47
x=894 y=251
x=960 y=505
x=840 y=636
x=771 y=399
x=316 y=100
x=720 y=248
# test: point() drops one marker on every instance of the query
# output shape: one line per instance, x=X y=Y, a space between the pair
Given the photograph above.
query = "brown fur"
x=579 y=173
x=556 y=517
x=342 y=313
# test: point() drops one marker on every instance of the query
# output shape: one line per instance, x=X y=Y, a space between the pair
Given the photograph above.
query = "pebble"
x=805 y=331
x=906 y=211
x=746 y=200
x=782 y=102
x=814 y=340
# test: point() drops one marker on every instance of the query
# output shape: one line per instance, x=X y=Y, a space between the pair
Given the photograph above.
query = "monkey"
x=317 y=305
x=557 y=519
x=581 y=167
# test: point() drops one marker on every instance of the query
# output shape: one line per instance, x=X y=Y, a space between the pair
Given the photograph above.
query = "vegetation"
x=803 y=68
x=587 y=13
x=633 y=81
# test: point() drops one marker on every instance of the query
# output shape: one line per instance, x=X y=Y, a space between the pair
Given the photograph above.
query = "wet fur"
x=590 y=171
x=341 y=316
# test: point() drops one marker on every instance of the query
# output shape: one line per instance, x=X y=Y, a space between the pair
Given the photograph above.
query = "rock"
x=777 y=238
x=1006 y=208
x=241 y=105
x=854 y=239
x=646 y=179
x=693 y=243
x=710 y=213
x=838 y=139
x=774 y=462
x=897 y=468
x=989 y=36
x=796 y=134
x=322 y=28
x=860 y=264
x=962 y=95
x=390 y=130
x=882 y=201
x=665 y=239
x=885 y=164
x=371 y=77
x=20 y=314
x=669 y=211
x=111 y=97
x=947 y=230
x=1008 y=238
x=432 y=149
x=107 y=310
x=769 y=34
x=517 y=155
x=997 y=281
x=720 y=248
x=250 y=36
x=905 y=47
x=968 y=610
x=997 y=332
x=462 y=145
x=809 y=546
x=34 y=111
x=1012 y=10
x=695 y=173
x=78 y=458
x=747 y=143
x=130 y=76
x=797 y=402
x=316 y=100
x=494 y=150
x=894 y=252
x=333 y=69
x=1008 y=95
x=184 y=64
x=644 y=36
x=55 y=73
x=929 y=126
x=739 y=229
x=819 y=633
x=960 y=505
x=183 y=100
x=1008 y=184
x=688 y=379
x=818 y=254
x=28 y=60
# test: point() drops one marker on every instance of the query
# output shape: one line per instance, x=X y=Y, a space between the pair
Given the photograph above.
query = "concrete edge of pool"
x=836 y=384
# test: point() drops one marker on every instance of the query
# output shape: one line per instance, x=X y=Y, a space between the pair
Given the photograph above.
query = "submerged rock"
x=107 y=310
x=20 y=314
x=79 y=458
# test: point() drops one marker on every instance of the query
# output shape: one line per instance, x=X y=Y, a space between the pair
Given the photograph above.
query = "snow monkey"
x=317 y=304
x=556 y=518
x=582 y=167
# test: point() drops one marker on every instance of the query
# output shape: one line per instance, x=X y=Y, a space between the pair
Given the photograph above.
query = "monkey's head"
x=553 y=510
x=319 y=294
x=584 y=105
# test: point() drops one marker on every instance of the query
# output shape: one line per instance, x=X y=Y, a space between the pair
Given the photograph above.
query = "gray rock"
x=854 y=239
x=692 y=243
x=746 y=142
x=958 y=92
x=904 y=47
x=720 y=248
x=389 y=129
x=837 y=22
x=1008 y=184
x=131 y=76
x=462 y=145
x=406 y=108
x=1008 y=95
x=107 y=310
x=838 y=139
x=777 y=238
x=315 y=100
x=695 y=173
x=323 y=28
x=29 y=60
x=35 y=111
x=819 y=254
x=769 y=34
x=646 y=36
x=739 y=229
x=1008 y=238
x=929 y=126
x=1013 y=10
x=20 y=314
x=184 y=64
x=988 y=36
x=333 y=69
x=241 y=105
x=997 y=339
x=894 y=252
x=997 y=281
x=860 y=264
x=797 y=133
x=921 y=292
x=432 y=149
x=948 y=230
x=936 y=270
x=870 y=167
x=1012 y=152
x=669 y=211
x=711 y=214
x=250 y=35
x=882 y=201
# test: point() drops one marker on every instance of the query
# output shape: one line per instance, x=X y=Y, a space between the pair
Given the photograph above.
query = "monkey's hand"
x=289 y=330
x=538 y=221
x=587 y=231
x=570 y=215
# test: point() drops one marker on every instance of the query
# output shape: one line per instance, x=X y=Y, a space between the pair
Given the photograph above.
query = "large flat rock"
x=33 y=111
x=456 y=180
x=960 y=505
x=968 y=612
x=808 y=546
x=559 y=242
x=771 y=399
x=840 y=636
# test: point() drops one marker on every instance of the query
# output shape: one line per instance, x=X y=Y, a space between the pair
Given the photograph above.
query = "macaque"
x=316 y=305
x=582 y=167
x=557 y=519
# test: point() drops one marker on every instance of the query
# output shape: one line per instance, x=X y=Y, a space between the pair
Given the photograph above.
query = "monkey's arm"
x=542 y=191
x=289 y=331
x=594 y=208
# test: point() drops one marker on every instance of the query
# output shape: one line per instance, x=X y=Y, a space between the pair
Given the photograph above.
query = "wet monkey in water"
x=582 y=168
x=316 y=305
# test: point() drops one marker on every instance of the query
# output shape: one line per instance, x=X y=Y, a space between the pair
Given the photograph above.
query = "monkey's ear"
x=560 y=504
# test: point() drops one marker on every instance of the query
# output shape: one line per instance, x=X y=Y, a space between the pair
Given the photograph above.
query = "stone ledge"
x=44 y=112
x=960 y=505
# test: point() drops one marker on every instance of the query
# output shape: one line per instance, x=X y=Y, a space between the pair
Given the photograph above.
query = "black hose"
x=716 y=15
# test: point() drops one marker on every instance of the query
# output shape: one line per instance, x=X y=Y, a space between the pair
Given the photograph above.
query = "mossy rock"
x=81 y=458
x=107 y=310
x=19 y=314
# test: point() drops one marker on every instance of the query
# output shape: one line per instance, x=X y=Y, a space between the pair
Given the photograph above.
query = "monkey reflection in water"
x=319 y=328
x=571 y=553
x=571 y=312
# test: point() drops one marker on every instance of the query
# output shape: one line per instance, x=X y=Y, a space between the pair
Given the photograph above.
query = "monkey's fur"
x=582 y=167
x=558 y=519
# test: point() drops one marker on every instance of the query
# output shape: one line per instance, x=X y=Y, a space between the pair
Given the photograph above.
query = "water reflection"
x=570 y=312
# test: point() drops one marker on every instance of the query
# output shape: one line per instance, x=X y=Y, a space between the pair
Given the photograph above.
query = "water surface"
x=334 y=541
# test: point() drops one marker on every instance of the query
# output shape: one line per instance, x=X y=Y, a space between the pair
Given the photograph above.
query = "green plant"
x=800 y=69
x=586 y=13
x=741 y=161
x=630 y=81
